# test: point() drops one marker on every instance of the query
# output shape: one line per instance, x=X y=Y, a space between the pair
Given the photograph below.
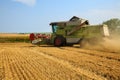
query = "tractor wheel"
x=59 y=41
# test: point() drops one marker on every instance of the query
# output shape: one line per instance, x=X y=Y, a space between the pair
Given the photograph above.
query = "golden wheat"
x=23 y=61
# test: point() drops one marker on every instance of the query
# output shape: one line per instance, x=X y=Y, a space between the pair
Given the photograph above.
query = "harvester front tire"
x=59 y=41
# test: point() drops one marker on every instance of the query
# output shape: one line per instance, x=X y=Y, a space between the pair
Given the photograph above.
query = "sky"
x=26 y=16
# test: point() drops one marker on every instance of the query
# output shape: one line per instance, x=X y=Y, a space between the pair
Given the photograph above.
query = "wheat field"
x=24 y=61
x=15 y=37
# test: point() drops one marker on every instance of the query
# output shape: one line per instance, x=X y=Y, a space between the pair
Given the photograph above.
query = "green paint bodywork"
x=87 y=31
x=75 y=28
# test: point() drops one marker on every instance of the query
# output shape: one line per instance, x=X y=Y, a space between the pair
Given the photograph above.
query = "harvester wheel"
x=59 y=41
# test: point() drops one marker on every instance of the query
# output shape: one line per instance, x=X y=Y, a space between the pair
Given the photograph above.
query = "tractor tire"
x=59 y=41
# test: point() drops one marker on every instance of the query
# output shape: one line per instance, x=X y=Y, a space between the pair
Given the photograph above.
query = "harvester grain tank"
x=74 y=31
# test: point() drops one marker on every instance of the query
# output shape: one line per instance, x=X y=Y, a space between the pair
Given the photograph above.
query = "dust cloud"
x=111 y=44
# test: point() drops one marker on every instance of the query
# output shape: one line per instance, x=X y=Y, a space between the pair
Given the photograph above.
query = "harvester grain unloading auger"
x=83 y=22
x=71 y=32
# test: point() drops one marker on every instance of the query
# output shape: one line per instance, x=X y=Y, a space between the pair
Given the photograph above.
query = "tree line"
x=114 y=25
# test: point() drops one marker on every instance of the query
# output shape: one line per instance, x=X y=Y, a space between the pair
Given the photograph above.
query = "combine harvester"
x=74 y=31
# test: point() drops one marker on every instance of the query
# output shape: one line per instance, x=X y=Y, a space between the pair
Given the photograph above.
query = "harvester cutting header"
x=74 y=31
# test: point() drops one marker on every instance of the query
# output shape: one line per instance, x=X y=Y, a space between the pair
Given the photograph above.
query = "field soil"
x=24 y=61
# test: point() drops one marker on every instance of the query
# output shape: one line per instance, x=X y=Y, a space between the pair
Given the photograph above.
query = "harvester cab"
x=74 y=21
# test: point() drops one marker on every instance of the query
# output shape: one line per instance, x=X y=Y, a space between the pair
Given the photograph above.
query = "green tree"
x=113 y=24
